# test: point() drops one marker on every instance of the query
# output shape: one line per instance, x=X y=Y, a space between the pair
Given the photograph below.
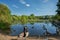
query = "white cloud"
x=27 y=5
x=15 y=6
x=23 y=2
x=45 y=0
x=37 y=9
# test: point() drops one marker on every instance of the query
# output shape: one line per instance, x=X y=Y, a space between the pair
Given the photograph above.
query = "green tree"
x=5 y=17
x=15 y=18
x=32 y=16
x=23 y=19
x=5 y=13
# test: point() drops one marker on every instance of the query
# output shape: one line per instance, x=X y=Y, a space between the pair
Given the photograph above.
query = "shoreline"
x=7 y=37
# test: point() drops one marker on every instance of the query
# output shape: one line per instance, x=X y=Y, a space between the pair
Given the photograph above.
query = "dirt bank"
x=6 y=37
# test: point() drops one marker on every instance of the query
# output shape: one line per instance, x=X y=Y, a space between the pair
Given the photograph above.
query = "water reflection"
x=32 y=24
x=34 y=29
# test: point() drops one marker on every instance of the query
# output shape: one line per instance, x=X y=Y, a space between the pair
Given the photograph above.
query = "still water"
x=34 y=29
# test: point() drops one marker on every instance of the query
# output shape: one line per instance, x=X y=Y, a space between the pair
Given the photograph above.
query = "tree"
x=5 y=17
x=24 y=19
x=32 y=16
x=5 y=13
x=15 y=18
x=4 y=9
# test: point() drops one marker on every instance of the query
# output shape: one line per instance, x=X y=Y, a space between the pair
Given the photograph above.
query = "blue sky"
x=27 y=7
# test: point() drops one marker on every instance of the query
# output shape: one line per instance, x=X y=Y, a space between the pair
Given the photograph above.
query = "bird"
x=22 y=34
x=25 y=33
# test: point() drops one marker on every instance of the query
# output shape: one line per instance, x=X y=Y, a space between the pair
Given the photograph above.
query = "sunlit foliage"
x=5 y=16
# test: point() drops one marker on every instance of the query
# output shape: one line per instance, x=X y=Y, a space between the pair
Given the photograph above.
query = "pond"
x=34 y=29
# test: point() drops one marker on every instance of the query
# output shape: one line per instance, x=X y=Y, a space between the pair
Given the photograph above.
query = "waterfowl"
x=25 y=33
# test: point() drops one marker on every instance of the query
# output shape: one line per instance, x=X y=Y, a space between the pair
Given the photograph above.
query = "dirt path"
x=6 y=37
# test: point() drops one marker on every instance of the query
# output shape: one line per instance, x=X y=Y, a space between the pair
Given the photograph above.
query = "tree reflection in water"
x=32 y=23
x=45 y=32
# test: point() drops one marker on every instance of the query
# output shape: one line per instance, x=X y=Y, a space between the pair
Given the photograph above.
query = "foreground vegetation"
x=5 y=17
